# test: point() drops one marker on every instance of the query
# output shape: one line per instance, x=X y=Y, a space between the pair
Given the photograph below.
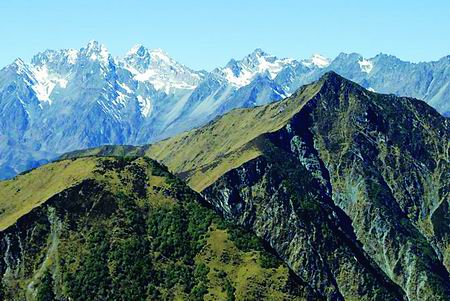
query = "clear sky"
x=205 y=34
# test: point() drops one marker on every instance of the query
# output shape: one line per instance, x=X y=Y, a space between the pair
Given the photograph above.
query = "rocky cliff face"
x=304 y=227
x=359 y=181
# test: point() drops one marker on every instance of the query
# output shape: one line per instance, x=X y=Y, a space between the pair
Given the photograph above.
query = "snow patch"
x=243 y=79
x=273 y=68
x=121 y=98
x=20 y=65
x=126 y=88
x=159 y=54
x=241 y=73
x=365 y=65
x=145 y=105
x=107 y=109
x=316 y=60
x=142 y=77
x=97 y=52
x=163 y=83
x=72 y=56
x=164 y=73
x=25 y=107
x=44 y=83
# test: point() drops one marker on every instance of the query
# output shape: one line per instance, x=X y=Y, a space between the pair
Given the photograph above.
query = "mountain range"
x=66 y=100
x=333 y=193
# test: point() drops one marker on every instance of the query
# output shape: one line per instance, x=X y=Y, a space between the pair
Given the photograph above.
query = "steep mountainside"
x=382 y=160
x=351 y=188
x=73 y=99
x=126 y=229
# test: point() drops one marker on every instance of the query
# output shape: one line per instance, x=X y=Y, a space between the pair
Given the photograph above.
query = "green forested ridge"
x=132 y=231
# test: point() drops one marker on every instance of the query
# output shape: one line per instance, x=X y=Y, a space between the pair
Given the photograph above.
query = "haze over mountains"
x=73 y=99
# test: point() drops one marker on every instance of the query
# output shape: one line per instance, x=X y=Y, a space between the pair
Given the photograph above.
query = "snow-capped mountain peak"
x=72 y=56
x=241 y=73
x=138 y=59
x=20 y=66
x=316 y=60
x=62 y=60
x=161 y=56
x=137 y=50
x=158 y=68
x=96 y=52
x=258 y=52
x=272 y=65
x=39 y=79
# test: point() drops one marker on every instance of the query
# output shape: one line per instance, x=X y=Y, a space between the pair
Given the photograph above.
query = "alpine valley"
x=66 y=100
x=332 y=193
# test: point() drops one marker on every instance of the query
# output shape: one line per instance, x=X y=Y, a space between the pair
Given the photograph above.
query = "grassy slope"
x=247 y=278
x=204 y=154
x=20 y=195
x=108 y=150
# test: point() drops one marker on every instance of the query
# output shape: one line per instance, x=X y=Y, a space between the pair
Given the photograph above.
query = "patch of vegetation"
x=230 y=290
x=21 y=194
x=45 y=289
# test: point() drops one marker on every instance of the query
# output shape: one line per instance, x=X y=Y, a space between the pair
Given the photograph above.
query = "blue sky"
x=205 y=34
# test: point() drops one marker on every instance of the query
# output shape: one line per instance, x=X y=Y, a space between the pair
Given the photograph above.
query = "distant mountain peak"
x=240 y=73
x=138 y=50
x=139 y=53
x=138 y=58
x=160 y=55
x=317 y=60
x=158 y=68
x=72 y=56
x=259 y=52
x=96 y=51
x=94 y=45
x=19 y=64
x=56 y=57
x=39 y=78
